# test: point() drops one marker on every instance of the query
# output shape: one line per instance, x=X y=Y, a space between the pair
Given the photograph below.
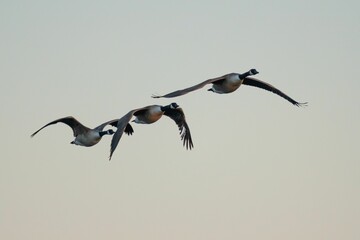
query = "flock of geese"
x=228 y=83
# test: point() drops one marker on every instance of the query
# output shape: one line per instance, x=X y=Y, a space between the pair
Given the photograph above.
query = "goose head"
x=253 y=72
x=170 y=106
x=173 y=105
x=110 y=132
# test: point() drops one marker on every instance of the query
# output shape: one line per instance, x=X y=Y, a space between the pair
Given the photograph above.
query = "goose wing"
x=76 y=126
x=260 y=84
x=179 y=117
x=128 y=129
x=122 y=124
x=190 y=89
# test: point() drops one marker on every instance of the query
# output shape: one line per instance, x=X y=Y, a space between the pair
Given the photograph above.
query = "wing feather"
x=190 y=89
x=179 y=117
x=266 y=86
x=76 y=126
x=122 y=126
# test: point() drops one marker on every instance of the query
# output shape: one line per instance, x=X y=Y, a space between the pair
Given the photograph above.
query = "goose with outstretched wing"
x=85 y=136
x=231 y=82
x=151 y=114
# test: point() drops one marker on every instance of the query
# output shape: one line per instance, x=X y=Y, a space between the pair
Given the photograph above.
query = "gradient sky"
x=261 y=168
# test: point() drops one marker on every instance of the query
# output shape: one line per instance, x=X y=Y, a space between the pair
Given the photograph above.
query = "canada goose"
x=229 y=83
x=85 y=136
x=151 y=114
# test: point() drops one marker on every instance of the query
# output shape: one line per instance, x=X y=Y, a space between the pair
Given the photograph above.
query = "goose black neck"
x=104 y=133
x=244 y=75
x=164 y=108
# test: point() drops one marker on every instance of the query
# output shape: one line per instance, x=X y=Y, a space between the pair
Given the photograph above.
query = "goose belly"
x=230 y=84
x=89 y=139
x=226 y=87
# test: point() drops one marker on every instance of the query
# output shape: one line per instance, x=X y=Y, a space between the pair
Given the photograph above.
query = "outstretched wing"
x=122 y=125
x=190 y=89
x=128 y=129
x=260 y=84
x=179 y=117
x=76 y=126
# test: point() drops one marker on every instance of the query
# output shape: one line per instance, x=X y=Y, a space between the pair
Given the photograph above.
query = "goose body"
x=231 y=82
x=224 y=84
x=85 y=136
x=89 y=138
x=149 y=115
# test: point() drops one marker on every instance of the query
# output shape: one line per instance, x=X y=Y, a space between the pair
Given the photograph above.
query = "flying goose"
x=151 y=114
x=229 y=83
x=85 y=136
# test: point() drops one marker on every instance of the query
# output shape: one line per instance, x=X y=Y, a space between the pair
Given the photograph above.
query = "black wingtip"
x=32 y=135
x=187 y=140
x=129 y=130
x=188 y=145
x=304 y=104
x=111 y=153
x=155 y=96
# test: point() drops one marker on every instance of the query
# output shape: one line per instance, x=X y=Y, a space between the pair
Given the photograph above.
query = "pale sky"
x=261 y=168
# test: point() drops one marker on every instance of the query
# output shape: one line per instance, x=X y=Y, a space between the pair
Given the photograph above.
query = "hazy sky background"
x=261 y=168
